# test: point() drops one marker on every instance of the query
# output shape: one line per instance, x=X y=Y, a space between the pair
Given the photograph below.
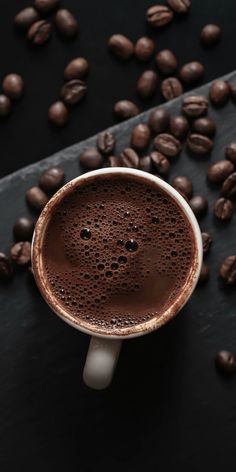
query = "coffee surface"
x=117 y=252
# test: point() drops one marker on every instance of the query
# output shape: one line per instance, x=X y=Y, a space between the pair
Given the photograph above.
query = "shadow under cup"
x=41 y=276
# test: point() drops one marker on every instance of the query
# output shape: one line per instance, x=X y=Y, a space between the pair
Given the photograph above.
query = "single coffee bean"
x=159 y=120
x=191 y=72
x=147 y=84
x=36 y=198
x=199 y=144
x=106 y=142
x=39 y=32
x=160 y=163
x=228 y=270
x=226 y=362
x=6 y=269
x=159 y=15
x=66 y=23
x=206 y=242
x=180 y=6
x=229 y=187
x=233 y=91
x=5 y=105
x=13 y=86
x=140 y=136
x=144 y=48
x=52 y=179
x=44 y=6
x=26 y=17
x=171 y=88
x=73 y=92
x=145 y=164
x=210 y=35
x=183 y=184
x=223 y=209
x=204 y=274
x=199 y=205
x=58 y=114
x=121 y=46
x=125 y=109
x=218 y=171
x=205 y=126
x=21 y=253
x=91 y=159
x=129 y=158
x=114 y=161
x=23 y=229
x=76 y=69
x=166 y=62
x=195 y=106
x=167 y=144
x=230 y=152
x=179 y=126
x=219 y=92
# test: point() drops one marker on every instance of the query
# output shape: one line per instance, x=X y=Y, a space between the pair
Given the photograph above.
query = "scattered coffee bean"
x=223 y=209
x=52 y=179
x=180 y=6
x=144 y=48
x=23 y=229
x=171 y=88
x=219 y=92
x=183 y=185
x=66 y=23
x=125 y=109
x=159 y=120
x=199 y=144
x=206 y=242
x=179 y=126
x=6 y=269
x=160 y=163
x=26 y=17
x=13 y=86
x=191 y=72
x=129 y=158
x=141 y=136
x=58 y=114
x=5 y=105
x=39 y=32
x=106 y=142
x=229 y=187
x=145 y=164
x=228 y=270
x=147 y=84
x=121 y=46
x=21 y=253
x=45 y=6
x=233 y=91
x=76 y=69
x=205 y=126
x=73 y=92
x=91 y=159
x=195 y=106
x=159 y=15
x=225 y=362
x=114 y=161
x=36 y=198
x=230 y=152
x=210 y=34
x=166 y=62
x=218 y=171
x=167 y=144
x=199 y=205
x=204 y=274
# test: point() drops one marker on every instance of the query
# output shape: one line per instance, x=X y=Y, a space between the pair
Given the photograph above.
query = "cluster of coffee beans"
x=13 y=88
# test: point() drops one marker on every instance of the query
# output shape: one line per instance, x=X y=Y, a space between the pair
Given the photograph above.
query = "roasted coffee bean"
x=219 y=171
x=205 y=126
x=52 y=179
x=160 y=163
x=166 y=62
x=183 y=185
x=223 y=209
x=6 y=269
x=26 y=17
x=91 y=158
x=230 y=152
x=167 y=144
x=199 y=144
x=229 y=187
x=13 y=86
x=226 y=362
x=58 y=114
x=106 y=142
x=76 y=69
x=144 y=48
x=147 y=84
x=73 y=92
x=195 y=106
x=191 y=72
x=159 y=15
x=204 y=274
x=140 y=136
x=125 y=109
x=5 y=105
x=159 y=120
x=180 y=6
x=39 y=32
x=129 y=158
x=206 y=242
x=171 y=88
x=145 y=164
x=21 y=253
x=114 y=161
x=210 y=34
x=228 y=270
x=66 y=23
x=179 y=126
x=219 y=92
x=23 y=229
x=121 y=46
x=199 y=205
x=36 y=198
x=233 y=91
x=44 y=6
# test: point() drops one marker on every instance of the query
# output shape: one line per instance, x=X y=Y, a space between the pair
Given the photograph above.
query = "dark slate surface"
x=167 y=408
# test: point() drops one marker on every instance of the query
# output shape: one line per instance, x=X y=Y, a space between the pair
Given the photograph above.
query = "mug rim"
x=141 y=328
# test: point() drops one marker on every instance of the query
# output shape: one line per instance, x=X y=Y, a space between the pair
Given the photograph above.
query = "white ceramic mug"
x=104 y=349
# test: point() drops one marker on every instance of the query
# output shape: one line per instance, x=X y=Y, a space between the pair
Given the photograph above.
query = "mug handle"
x=101 y=361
